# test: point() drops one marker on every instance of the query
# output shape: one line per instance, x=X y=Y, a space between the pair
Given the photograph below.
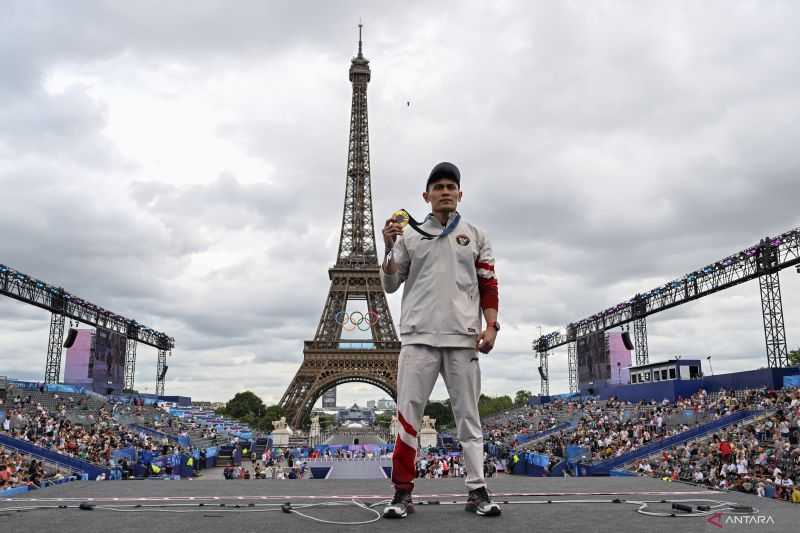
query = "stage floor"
x=181 y=511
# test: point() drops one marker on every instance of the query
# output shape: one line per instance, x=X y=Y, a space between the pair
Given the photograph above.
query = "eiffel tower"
x=329 y=360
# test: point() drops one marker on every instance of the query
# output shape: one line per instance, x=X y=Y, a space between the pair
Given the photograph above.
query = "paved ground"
x=210 y=506
x=218 y=472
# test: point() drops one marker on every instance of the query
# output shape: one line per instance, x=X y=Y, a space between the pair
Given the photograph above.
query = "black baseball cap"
x=444 y=170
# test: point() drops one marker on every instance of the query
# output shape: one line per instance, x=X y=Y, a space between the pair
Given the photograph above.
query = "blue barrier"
x=319 y=472
x=54 y=387
x=50 y=483
x=115 y=473
x=91 y=469
x=531 y=464
x=560 y=427
x=558 y=469
x=538 y=459
x=13 y=491
x=495 y=450
x=575 y=452
x=536 y=465
x=124 y=453
x=147 y=456
x=153 y=432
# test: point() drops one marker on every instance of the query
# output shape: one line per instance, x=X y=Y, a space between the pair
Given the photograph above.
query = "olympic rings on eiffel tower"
x=373 y=317
x=356 y=319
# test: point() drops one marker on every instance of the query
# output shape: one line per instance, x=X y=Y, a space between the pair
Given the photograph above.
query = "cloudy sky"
x=183 y=163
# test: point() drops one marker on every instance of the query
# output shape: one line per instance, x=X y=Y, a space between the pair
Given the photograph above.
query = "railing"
x=755 y=415
x=543 y=434
x=153 y=432
x=604 y=467
x=65 y=461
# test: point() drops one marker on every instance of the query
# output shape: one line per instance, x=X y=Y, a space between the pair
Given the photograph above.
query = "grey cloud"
x=606 y=149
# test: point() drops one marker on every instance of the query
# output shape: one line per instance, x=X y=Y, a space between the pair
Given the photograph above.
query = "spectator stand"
x=84 y=469
x=759 y=456
x=603 y=468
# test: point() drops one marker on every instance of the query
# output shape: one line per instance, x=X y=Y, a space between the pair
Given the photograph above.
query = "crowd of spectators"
x=179 y=427
x=22 y=400
x=345 y=454
x=280 y=465
x=760 y=457
x=504 y=428
x=435 y=466
x=441 y=466
x=92 y=437
x=268 y=471
x=18 y=470
x=613 y=428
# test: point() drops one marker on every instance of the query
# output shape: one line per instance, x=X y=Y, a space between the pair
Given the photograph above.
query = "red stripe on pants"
x=408 y=427
x=403 y=465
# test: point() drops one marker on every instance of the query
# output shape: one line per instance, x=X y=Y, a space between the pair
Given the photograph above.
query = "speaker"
x=72 y=334
x=626 y=340
x=590 y=391
x=163 y=372
x=541 y=373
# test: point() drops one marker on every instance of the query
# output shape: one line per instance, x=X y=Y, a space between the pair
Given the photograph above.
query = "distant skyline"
x=185 y=166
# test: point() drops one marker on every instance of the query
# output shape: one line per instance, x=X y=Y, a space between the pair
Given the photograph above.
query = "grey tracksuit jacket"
x=441 y=299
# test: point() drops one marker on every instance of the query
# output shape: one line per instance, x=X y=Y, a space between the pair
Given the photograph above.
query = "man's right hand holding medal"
x=391 y=230
x=394 y=227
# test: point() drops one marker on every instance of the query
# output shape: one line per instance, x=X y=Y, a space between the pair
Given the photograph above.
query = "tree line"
x=247 y=407
x=442 y=410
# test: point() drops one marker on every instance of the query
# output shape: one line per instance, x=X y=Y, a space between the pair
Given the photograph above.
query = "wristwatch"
x=493 y=324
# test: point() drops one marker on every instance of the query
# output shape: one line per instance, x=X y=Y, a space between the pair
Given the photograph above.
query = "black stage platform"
x=174 y=506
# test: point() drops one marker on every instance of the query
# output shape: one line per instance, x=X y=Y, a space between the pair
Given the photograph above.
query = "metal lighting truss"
x=767 y=258
x=62 y=304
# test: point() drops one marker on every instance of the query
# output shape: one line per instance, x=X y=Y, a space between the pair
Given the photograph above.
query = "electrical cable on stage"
x=680 y=508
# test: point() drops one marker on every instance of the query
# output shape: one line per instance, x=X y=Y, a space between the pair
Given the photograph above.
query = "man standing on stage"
x=448 y=269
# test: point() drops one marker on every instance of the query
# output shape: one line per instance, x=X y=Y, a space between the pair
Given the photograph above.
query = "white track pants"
x=418 y=368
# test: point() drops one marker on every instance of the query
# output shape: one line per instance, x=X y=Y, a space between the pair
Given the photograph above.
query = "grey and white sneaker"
x=400 y=507
x=478 y=502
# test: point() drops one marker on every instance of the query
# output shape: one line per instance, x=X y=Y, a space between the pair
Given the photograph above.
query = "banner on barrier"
x=124 y=453
x=791 y=381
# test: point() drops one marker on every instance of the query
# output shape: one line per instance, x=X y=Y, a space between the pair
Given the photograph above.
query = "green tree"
x=274 y=412
x=794 y=357
x=383 y=420
x=488 y=406
x=245 y=404
x=264 y=422
x=442 y=412
x=522 y=397
x=326 y=422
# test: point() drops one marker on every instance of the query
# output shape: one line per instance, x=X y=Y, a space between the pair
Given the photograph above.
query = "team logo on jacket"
x=462 y=239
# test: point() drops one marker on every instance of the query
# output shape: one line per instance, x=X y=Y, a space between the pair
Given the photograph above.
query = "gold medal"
x=401 y=217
